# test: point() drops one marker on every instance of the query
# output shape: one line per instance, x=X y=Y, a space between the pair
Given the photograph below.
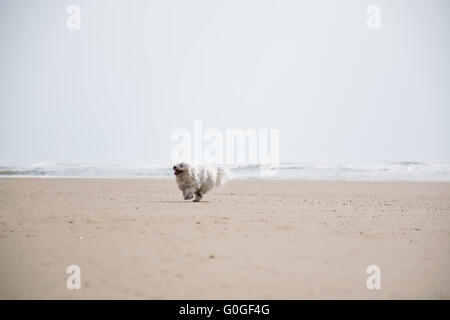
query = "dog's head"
x=180 y=168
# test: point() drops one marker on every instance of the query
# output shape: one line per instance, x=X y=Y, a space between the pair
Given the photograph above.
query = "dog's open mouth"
x=177 y=172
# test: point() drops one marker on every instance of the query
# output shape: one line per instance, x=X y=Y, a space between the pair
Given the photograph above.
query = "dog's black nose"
x=174 y=167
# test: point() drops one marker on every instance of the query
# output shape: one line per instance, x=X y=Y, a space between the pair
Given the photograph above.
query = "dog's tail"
x=223 y=175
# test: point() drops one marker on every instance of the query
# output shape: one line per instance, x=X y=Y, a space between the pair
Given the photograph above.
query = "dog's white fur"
x=196 y=180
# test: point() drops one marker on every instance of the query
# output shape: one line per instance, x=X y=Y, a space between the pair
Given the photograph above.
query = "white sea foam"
x=408 y=171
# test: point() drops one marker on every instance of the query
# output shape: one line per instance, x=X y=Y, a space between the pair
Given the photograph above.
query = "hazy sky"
x=114 y=91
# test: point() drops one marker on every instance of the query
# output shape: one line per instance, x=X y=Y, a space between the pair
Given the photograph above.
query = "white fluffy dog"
x=196 y=180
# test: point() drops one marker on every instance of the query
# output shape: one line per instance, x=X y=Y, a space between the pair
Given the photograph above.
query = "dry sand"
x=249 y=240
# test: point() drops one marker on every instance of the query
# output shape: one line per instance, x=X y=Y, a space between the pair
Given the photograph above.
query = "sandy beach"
x=251 y=239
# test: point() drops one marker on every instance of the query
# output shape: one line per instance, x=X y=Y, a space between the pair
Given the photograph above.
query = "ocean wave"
x=406 y=170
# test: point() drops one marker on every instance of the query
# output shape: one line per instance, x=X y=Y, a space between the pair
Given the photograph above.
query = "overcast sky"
x=114 y=91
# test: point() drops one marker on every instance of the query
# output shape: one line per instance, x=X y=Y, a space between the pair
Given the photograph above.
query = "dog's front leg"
x=198 y=196
x=188 y=193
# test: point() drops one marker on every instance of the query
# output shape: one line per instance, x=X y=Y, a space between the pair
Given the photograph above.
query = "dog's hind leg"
x=198 y=196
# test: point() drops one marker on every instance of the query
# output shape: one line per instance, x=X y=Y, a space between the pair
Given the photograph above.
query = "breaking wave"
x=407 y=170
